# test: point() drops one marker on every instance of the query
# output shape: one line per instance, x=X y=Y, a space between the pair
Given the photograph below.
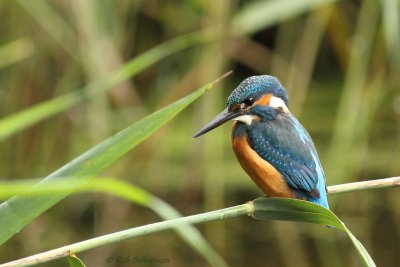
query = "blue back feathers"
x=286 y=145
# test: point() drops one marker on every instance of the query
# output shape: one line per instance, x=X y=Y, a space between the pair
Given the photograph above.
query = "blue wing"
x=286 y=145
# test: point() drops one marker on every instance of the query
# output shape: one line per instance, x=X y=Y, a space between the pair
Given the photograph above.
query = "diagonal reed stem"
x=222 y=214
x=133 y=232
x=364 y=185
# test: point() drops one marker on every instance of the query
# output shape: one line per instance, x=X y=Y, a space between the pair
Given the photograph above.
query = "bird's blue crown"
x=255 y=87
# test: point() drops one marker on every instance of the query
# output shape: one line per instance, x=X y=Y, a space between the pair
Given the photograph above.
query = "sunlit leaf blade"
x=262 y=14
x=16 y=212
x=74 y=261
x=391 y=25
x=121 y=189
x=362 y=252
x=15 y=51
x=190 y=234
x=303 y=211
x=290 y=210
x=65 y=185
x=27 y=117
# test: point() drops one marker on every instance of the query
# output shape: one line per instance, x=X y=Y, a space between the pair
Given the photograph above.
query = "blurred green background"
x=339 y=60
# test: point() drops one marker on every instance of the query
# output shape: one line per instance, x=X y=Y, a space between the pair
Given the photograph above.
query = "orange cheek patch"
x=264 y=100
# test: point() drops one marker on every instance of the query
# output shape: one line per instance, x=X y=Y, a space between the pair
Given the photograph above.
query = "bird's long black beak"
x=221 y=118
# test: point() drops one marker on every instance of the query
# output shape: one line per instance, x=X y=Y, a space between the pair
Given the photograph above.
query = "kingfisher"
x=271 y=145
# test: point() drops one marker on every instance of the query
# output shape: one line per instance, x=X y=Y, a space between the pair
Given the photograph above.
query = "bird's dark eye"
x=249 y=101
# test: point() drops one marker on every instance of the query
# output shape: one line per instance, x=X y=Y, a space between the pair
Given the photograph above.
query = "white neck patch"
x=248 y=119
x=277 y=102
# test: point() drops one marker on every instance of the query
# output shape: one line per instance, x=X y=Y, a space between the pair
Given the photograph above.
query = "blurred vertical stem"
x=345 y=143
x=304 y=57
x=100 y=56
x=94 y=47
x=53 y=24
x=391 y=27
x=213 y=62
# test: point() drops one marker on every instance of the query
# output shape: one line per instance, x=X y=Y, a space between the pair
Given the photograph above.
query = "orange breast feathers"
x=263 y=174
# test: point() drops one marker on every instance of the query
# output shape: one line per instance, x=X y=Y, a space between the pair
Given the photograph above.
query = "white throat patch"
x=277 y=102
x=248 y=119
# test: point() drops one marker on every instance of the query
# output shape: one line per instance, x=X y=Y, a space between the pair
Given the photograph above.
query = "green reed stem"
x=222 y=214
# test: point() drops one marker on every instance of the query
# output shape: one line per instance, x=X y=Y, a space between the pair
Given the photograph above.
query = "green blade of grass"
x=118 y=188
x=262 y=14
x=18 y=211
x=27 y=117
x=15 y=51
x=66 y=185
x=262 y=208
x=74 y=261
x=304 y=211
x=177 y=223
x=279 y=211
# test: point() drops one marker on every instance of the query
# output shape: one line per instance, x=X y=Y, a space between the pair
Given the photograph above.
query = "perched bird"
x=270 y=143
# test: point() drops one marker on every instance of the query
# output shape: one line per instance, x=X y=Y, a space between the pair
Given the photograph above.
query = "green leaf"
x=289 y=210
x=74 y=261
x=262 y=14
x=15 y=51
x=121 y=189
x=19 y=210
x=27 y=117
x=304 y=211
x=66 y=185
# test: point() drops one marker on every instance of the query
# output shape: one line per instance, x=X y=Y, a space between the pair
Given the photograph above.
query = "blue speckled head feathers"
x=255 y=87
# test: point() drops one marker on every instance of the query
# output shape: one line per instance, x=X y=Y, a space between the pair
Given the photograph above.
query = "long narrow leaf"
x=262 y=208
x=15 y=51
x=74 y=261
x=263 y=14
x=27 y=117
x=118 y=188
x=18 y=211
x=304 y=211
x=177 y=223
